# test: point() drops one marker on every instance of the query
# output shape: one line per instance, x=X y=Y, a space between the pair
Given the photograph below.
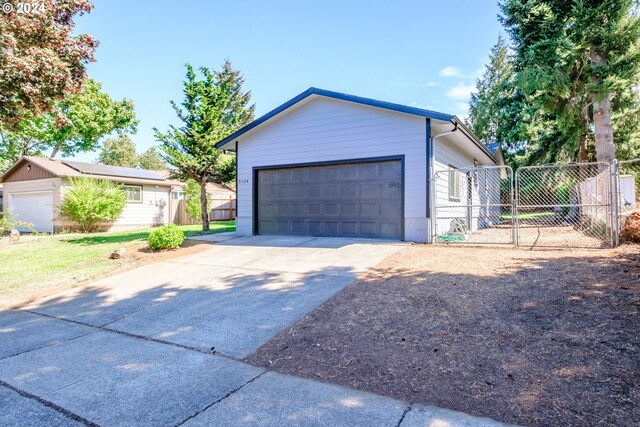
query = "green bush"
x=167 y=237
x=9 y=222
x=90 y=202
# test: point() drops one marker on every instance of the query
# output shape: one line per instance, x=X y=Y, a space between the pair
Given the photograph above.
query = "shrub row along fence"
x=557 y=205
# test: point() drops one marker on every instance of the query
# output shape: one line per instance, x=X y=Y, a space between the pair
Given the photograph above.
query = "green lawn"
x=529 y=215
x=58 y=259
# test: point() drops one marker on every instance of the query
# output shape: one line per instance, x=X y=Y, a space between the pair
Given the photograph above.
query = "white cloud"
x=461 y=91
x=431 y=84
x=451 y=72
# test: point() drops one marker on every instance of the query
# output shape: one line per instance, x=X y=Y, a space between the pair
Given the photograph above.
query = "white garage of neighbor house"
x=331 y=164
x=34 y=188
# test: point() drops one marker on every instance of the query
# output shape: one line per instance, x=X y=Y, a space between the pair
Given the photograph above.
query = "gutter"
x=432 y=192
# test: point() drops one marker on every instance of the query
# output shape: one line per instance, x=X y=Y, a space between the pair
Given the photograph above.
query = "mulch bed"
x=535 y=338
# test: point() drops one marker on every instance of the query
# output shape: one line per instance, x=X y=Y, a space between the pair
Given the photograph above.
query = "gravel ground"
x=529 y=337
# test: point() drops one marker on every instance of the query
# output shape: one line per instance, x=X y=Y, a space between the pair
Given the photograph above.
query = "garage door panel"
x=33 y=208
x=352 y=199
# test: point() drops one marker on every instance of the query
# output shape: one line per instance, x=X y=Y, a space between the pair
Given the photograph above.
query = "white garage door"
x=34 y=208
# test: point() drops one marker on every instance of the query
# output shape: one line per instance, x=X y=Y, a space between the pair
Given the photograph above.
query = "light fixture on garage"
x=29 y=168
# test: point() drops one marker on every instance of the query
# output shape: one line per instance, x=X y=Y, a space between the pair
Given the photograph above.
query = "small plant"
x=90 y=202
x=8 y=222
x=167 y=237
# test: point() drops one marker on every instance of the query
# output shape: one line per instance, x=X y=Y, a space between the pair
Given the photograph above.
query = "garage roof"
x=429 y=114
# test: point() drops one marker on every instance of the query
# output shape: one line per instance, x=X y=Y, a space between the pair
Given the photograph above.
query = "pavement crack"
x=47 y=345
x=142 y=337
x=229 y=394
x=404 y=414
x=50 y=405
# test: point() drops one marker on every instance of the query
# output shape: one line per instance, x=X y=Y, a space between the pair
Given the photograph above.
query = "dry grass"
x=529 y=337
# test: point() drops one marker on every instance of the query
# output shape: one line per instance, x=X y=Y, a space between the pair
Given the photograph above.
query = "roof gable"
x=340 y=96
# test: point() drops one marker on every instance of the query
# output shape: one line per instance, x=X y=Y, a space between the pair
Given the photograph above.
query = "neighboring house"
x=223 y=199
x=34 y=188
x=331 y=164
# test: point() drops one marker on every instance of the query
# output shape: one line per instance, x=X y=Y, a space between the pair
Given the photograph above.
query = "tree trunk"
x=203 y=206
x=55 y=150
x=603 y=125
x=583 y=154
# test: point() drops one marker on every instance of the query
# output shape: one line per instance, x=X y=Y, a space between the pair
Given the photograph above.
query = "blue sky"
x=421 y=53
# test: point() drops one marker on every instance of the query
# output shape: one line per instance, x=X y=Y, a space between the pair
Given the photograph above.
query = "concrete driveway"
x=163 y=344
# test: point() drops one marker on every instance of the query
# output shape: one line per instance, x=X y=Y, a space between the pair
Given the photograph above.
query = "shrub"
x=167 y=237
x=90 y=202
x=8 y=222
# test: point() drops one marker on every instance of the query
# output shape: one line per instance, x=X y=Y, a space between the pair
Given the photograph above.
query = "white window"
x=454 y=183
x=134 y=193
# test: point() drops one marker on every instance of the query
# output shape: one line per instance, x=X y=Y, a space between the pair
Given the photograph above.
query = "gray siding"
x=330 y=130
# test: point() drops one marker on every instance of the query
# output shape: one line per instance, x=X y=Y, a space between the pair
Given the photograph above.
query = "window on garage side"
x=454 y=183
x=134 y=193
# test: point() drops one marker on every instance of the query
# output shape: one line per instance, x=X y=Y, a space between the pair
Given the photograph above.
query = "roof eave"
x=469 y=134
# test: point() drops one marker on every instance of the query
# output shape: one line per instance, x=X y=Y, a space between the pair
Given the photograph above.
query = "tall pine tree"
x=575 y=63
x=214 y=106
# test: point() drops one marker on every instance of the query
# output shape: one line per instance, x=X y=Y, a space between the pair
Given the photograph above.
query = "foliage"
x=577 y=63
x=631 y=228
x=497 y=109
x=41 y=62
x=8 y=221
x=192 y=196
x=214 y=106
x=90 y=202
x=120 y=151
x=152 y=159
x=81 y=120
x=167 y=237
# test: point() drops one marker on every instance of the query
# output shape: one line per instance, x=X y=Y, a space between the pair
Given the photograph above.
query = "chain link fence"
x=564 y=205
x=474 y=205
x=572 y=205
x=627 y=186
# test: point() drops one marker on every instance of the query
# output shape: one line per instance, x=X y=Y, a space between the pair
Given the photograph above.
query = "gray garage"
x=330 y=164
x=357 y=199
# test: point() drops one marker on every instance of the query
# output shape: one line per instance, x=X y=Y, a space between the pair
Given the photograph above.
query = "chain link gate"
x=473 y=205
x=564 y=205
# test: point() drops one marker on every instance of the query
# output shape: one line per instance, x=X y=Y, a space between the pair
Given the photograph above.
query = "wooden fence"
x=221 y=210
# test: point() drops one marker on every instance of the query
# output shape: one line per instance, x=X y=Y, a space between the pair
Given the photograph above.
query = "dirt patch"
x=529 y=337
x=143 y=255
x=136 y=256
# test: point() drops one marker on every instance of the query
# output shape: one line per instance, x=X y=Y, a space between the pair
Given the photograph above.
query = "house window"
x=178 y=195
x=134 y=193
x=454 y=183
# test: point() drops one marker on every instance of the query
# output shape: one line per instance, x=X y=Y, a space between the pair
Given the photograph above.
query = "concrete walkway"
x=163 y=344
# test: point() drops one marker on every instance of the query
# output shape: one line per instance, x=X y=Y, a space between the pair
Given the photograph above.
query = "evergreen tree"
x=213 y=107
x=152 y=159
x=119 y=152
x=575 y=63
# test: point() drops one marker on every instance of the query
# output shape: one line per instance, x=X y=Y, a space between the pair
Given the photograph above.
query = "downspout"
x=432 y=188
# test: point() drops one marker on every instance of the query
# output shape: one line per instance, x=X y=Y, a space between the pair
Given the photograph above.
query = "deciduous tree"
x=41 y=62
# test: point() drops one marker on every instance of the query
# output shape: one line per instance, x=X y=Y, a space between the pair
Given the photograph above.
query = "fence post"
x=514 y=206
x=616 y=200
